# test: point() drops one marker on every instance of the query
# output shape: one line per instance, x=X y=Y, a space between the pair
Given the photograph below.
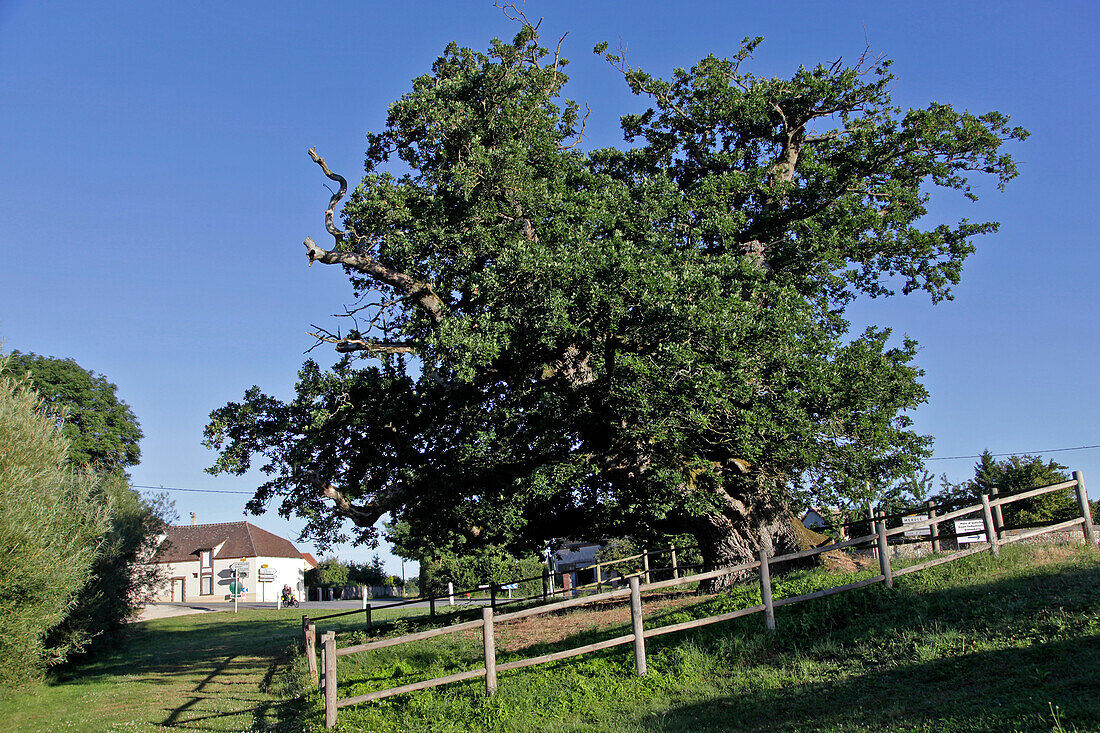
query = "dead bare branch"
x=350 y=345
x=361 y=260
x=580 y=135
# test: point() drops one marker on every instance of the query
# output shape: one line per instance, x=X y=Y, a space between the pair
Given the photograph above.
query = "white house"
x=198 y=561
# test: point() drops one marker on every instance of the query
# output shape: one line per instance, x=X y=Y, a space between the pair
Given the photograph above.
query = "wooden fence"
x=995 y=538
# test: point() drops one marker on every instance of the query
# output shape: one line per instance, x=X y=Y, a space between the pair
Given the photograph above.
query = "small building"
x=816 y=518
x=198 y=561
x=576 y=558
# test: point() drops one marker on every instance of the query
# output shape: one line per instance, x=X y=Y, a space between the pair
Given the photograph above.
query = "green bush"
x=121 y=581
x=51 y=525
x=330 y=572
x=487 y=565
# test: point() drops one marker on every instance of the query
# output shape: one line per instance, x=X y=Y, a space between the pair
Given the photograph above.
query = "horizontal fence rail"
x=487 y=623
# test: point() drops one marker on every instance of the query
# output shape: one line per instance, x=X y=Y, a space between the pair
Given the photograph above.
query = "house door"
x=177 y=590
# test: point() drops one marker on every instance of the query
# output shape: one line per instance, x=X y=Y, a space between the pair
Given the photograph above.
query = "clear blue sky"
x=155 y=191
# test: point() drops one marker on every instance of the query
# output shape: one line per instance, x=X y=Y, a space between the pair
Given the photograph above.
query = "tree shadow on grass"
x=1043 y=624
x=1006 y=690
x=208 y=672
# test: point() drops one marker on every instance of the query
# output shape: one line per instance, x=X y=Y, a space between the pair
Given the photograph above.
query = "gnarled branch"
x=360 y=260
x=363 y=515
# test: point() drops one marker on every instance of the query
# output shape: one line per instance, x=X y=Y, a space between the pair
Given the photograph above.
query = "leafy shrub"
x=330 y=572
x=487 y=565
x=121 y=582
x=51 y=525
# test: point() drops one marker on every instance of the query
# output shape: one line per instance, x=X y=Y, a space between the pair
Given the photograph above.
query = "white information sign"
x=919 y=531
x=266 y=576
x=969 y=530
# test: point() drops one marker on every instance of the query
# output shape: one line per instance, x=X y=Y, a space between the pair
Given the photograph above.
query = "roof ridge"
x=210 y=524
x=251 y=542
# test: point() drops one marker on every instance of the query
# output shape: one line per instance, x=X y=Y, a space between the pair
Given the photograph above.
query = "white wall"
x=288 y=570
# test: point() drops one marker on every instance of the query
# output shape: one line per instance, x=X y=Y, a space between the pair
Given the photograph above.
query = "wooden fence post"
x=321 y=678
x=766 y=591
x=884 y=553
x=998 y=517
x=310 y=633
x=492 y=595
x=645 y=565
x=675 y=565
x=935 y=526
x=990 y=529
x=1086 y=510
x=370 y=621
x=431 y=606
x=636 y=625
x=330 y=679
x=489 y=645
x=545 y=584
x=599 y=578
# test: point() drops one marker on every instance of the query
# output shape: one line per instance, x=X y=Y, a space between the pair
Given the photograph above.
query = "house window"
x=206 y=558
x=207 y=585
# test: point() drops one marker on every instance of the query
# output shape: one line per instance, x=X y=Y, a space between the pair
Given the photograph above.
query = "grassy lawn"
x=977 y=645
x=206 y=672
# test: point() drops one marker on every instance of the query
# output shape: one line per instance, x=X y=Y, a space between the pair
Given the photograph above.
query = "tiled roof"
x=310 y=559
x=241 y=540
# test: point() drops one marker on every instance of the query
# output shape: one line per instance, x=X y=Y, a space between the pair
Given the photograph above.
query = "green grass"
x=209 y=672
x=977 y=645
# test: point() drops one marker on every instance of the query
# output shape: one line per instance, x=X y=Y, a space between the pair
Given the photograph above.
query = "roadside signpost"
x=240 y=570
x=265 y=574
x=919 y=531
x=969 y=530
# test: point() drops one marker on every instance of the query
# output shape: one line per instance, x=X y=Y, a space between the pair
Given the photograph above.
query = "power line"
x=197 y=491
x=1019 y=453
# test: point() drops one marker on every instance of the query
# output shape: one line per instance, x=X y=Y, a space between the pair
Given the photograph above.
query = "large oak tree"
x=646 y=339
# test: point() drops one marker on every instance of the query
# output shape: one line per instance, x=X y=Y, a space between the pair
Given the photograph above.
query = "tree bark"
x=726 y=539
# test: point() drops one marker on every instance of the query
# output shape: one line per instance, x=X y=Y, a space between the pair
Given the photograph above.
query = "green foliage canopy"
x=639 y=340
x=102 y=431
x=1012 y=475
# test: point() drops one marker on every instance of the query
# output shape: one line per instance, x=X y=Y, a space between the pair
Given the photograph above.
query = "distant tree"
x=103 y=432
x=1014 y=474
x=480 y=567
x=908 y=493
x=371 y=573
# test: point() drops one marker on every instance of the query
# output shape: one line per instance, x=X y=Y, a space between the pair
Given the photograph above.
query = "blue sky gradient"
x=156 y=191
